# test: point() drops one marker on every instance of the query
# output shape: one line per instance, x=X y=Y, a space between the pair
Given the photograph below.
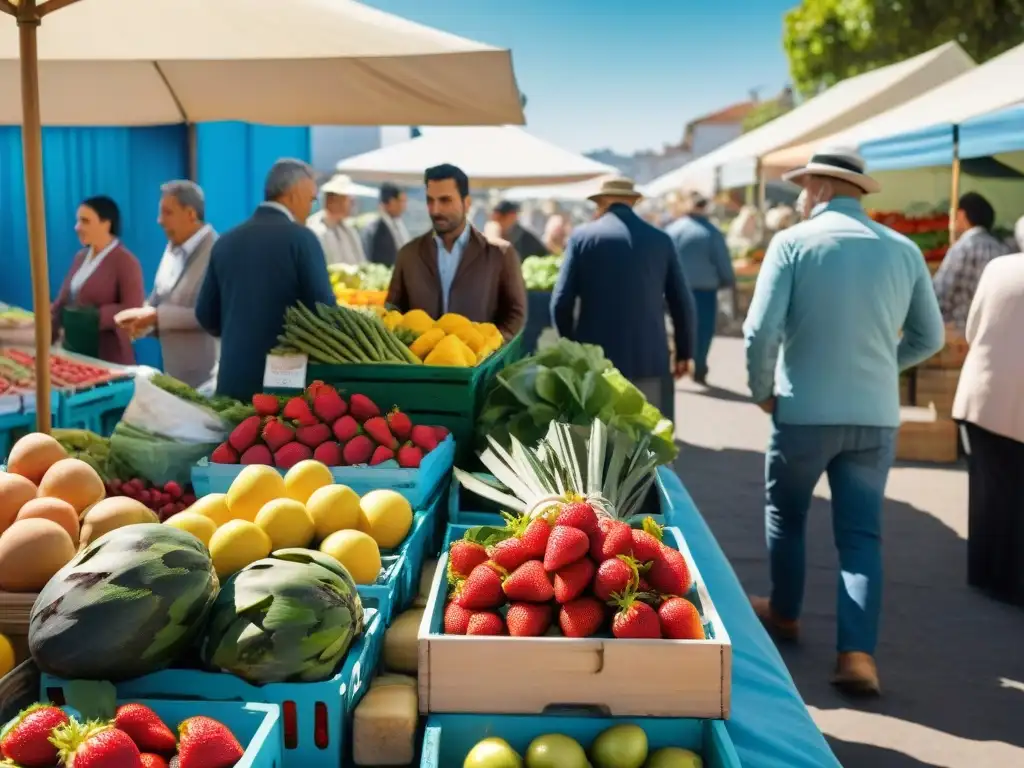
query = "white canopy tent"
x=847 y=103
x=568 y=193
x=989 y=87
x=492 y=157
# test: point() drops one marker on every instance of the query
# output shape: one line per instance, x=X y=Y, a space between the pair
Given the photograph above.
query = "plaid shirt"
x=957 y=278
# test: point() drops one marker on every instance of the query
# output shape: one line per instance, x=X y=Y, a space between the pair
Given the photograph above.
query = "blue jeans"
x=857 y=461
x=706 y=303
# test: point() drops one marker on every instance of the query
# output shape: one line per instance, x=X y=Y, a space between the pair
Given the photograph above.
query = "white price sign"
x=285 y=372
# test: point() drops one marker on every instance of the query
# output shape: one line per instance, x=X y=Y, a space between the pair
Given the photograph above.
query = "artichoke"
x=128 y=604
x=291 y=616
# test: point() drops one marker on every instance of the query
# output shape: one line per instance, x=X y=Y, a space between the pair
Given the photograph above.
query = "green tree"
x=765 y=112
x=829 y=40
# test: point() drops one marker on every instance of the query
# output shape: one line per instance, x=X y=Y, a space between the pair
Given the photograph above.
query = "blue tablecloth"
x=769 y=724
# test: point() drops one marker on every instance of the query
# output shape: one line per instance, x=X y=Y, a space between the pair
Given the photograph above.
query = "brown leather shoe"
x=857 y=675
x=782 y=629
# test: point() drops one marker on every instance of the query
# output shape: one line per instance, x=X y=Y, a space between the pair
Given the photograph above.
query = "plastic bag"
x=154 y=458
x=161 y=413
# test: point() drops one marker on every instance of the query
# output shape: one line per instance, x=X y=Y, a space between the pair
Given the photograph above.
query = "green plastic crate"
x=430 y=394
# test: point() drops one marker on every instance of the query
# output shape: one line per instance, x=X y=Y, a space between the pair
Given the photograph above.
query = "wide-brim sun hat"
x=341 y=185
x=837 y=163
x=617 y=187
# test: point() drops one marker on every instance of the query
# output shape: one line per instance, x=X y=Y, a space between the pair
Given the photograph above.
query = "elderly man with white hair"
x=259 y=269
x=842 y=305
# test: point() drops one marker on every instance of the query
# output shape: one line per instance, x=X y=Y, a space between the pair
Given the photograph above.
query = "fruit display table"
x=769 y=723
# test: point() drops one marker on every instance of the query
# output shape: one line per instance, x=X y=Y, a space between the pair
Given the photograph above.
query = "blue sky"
x=625 y=75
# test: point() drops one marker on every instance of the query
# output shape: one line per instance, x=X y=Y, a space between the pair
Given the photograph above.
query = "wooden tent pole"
x=954 y=192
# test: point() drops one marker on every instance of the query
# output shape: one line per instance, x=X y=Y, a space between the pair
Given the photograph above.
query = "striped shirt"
x=957 y=278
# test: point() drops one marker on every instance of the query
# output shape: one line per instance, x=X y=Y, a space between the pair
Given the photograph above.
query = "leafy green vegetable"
x=541 y=272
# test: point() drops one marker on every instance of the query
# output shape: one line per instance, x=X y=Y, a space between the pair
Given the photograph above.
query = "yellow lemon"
x=255 y=486
x=451 y=321
x=7 y=659
x=286 y=522
x=213 y=506
x=304 y=478
x=357 y=551
x=236 y=544
x=334 y=508
x=198 y=525
x=388 y=517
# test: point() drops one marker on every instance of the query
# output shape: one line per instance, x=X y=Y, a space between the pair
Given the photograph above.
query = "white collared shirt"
x=90 y=264
x=339 y=241
x=277 y=207
x=174 y=261
x=448 y=261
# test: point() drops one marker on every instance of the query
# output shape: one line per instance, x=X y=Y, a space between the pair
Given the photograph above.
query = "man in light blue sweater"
x=824 y=352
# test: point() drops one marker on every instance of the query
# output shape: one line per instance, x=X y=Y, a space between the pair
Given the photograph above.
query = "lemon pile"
x=452 y=340
x=263 y=512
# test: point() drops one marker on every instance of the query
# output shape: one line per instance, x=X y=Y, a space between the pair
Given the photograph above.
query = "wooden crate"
x=638 y=678
x=15 y=610
x=905 y=390
x=936 y=388
x=924 y=436
x=951 y=356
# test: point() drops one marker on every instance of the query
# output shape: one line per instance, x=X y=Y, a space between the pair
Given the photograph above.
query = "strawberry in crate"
x=570 y=562
x=322 y=424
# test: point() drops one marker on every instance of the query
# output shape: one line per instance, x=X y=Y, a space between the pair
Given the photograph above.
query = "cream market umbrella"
x=277 y=62
x=492 y=156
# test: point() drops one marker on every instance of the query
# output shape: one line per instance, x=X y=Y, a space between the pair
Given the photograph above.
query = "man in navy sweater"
x=623 y=271
x=259 y=269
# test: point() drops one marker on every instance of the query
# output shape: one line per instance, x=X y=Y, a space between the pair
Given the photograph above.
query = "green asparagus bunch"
x=338 y=335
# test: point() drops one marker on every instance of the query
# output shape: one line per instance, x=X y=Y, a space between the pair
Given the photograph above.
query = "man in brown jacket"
x=454 y=268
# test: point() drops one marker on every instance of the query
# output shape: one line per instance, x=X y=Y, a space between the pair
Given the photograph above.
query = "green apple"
x=493 y=753
x=674 y=757
x=621 y=746
x=553 y=750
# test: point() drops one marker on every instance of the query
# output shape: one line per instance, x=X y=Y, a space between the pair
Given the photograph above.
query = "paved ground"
x=952 y=661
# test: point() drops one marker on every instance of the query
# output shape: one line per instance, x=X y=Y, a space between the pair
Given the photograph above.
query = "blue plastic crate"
x=316 y=717
x=97 y=409
x=417 y=485
x=11 y=426
x=449 y=738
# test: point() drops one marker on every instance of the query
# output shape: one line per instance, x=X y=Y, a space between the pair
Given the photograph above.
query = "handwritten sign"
x=285 y=372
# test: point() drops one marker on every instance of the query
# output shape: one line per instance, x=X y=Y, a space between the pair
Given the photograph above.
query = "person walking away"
x=989 y=405
x=622 y=271
x=383 y=236
x=506 y=215
x=705 y=259
x=454 y=268
x=824 y=353
x=338 y=238
x=105 y=278
x=257 y=270
x=957 y=278
x=189 y=353
x=556 y=234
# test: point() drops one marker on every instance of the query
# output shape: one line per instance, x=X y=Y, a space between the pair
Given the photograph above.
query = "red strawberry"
x=484 y=623
x=528 y=619
x=145 y=728
x=26 y=739
x=573 y=580
x=635 y=619
x=613 y=538
x=578 y=514
x=615 y=577
x=345 y=428
x=173 y=490
x=362 y=408
x=358 y=450
x=246 y=433
x=149 y=760
x=266 y=405
x=316 y=387
x=297 y=409
x=314 y=435
x=441 y=433
x=400 y=424
x=291 y=454
x=328 y=453
x=456 y=619
x=645 y=547
x=535 y=537
x=669 y=573
x=277 y=434
x=481 y=589
x=409 y=456
x=92 y=745
x=377 y=428
x=582 y=617
x=680 y=620
x=328 y=405
x=529 y=583
x=222 y=454
x=205 y=743
x=565 y=545
x=464 y=556
x=510 y=553
x=258 y=454
x=381 y=454
x=423 y=437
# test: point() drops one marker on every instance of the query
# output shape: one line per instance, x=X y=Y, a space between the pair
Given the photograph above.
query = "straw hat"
x=341 y=185
x=617 y=187
x=837 y=163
